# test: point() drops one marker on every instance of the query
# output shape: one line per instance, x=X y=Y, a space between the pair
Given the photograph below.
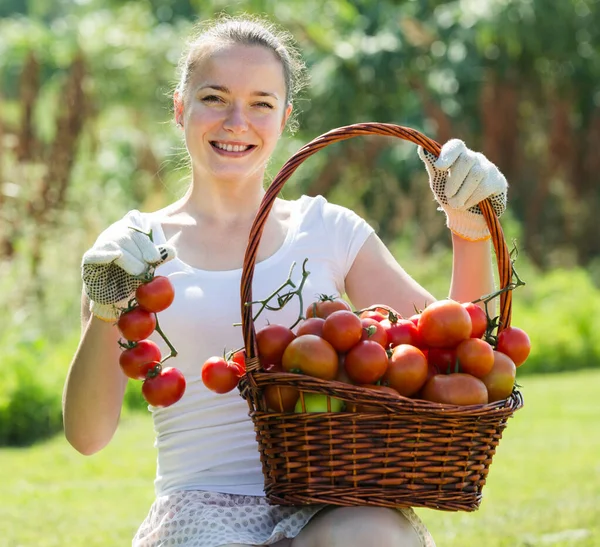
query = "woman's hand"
x=460 y=179
x=111 y=269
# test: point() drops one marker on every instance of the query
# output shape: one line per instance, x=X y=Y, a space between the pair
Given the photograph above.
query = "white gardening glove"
x=460 y=179
x=114 y=267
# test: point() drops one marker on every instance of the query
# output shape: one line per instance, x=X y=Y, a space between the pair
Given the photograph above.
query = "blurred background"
x=86 y=134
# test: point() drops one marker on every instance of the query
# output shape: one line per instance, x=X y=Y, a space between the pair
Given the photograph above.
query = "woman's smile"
x=232 y=149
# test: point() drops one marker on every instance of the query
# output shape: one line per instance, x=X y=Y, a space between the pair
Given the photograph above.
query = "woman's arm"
x=376 y=277
x=95 y=386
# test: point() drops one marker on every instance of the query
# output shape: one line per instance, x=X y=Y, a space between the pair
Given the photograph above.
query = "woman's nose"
x=236 y=120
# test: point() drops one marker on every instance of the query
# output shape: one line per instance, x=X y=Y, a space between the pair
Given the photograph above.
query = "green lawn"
x=543 y=487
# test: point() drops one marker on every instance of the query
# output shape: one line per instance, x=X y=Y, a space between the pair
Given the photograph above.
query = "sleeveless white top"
x=206 y=441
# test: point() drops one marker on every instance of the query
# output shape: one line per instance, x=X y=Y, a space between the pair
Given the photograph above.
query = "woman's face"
x=234 y=112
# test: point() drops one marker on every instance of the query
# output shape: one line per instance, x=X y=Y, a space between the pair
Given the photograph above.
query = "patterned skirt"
x=208 y=519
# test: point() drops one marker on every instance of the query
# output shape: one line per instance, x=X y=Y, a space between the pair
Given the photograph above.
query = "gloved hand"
x=113 y=268
x=460 y=179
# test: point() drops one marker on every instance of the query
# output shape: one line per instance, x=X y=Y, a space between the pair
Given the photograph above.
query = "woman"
x=233 y=101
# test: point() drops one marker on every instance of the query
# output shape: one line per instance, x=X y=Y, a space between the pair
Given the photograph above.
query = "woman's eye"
x=264 y=105
x=212 y=99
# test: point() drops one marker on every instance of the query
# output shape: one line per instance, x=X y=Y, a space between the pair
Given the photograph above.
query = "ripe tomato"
x=137 y=361
x=443 y=359
x=407 y=370
x=515 y=343
x=366 y=362
x=343 y=330
x=136 y=324
x=155 y=295
x=373 y=330
x=239 y=358
x=281 y=398
x=402 y=331
x=478 y=319
x=501 y=379
x=219 y=375
x=444 y=324
x=415 y=319
x=271 y=342
x=455 y=389
x=165 y=388
x=354 y=407
x=312 y=325
x=325 y=306
x=311 y=355
x=378 y=314
x=342 y=375
x=475 y=356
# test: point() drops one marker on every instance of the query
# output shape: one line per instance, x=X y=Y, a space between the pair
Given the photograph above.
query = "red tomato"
x=455 y=389
x=373 y=330
x=407 y=370
x=135 y=362
x=311 y=355
x=415 y=319
x=155 y=295
x=444 y=324
x=343 y=330
x=165 y=388
x=325 y=306
x=443 y=359
x=136 y=324
x=239 y=358
x=378 y=315
x=281 y=398
x=219 y=375
x=271 y=342
x=515 y=343
x=478 y=319
x=475 y=356
x=366 y=362
x=402 y=331
x=501 y=379
x=312 y=325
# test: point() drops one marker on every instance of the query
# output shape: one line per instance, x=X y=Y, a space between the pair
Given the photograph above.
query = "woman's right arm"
x=95 y=385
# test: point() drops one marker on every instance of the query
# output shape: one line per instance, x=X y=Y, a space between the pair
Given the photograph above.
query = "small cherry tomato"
x=478 y=319
x=155 y=295
x=325 y=306
x=271 y=341
x=219 y=375
x=136 y=324
x=163 y=388
x=515 y=343
x=136 y=361
x=343 y=330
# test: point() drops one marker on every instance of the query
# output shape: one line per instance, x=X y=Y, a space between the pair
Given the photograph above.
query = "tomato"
x=312 y=325
x=354 y=407
x=318 y=402
x=475 y=356
x=219 y=375
x=155 y=295
x=281 y=398
x=366 y=362
x=342 y=375
x=135 y=362
x=164 y=388
x=325 y=306
x=312 y=355
x=271 y=342
x=343 y=330
x=402 y=331
x=478 y=319
x=515 y=343
x=378 y=314
x=407 y=370
x=415 y=319
x=136 y=324
x=239 y=358
x=455 y=389
x=444 y=359
x=444 y=324
x=373 y=330
x=501 y=379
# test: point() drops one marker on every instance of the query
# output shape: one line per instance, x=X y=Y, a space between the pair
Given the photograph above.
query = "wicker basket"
x=410 y=452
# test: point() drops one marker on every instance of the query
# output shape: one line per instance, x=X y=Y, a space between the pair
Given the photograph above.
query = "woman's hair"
x=246 y=30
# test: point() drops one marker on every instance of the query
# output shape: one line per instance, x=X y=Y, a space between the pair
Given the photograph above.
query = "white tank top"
x=206 y=441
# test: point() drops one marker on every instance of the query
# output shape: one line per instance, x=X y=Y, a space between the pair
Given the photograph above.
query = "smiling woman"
x=235 y=96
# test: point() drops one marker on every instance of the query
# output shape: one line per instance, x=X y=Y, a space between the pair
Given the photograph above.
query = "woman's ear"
x=178 y=108
x=286 y=115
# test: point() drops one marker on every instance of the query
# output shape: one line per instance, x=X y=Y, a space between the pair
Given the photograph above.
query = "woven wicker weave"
x=409 y=453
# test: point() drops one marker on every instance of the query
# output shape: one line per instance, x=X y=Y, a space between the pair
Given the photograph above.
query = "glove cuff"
x=107 y=312
x=467 y=225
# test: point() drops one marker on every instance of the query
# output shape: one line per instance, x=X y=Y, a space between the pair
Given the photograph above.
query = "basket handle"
x=335 y=135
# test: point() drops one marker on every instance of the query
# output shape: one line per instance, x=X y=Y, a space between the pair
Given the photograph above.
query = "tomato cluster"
x=141 y=358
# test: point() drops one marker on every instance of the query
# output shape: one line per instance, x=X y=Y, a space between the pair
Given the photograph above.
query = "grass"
x=543 y=487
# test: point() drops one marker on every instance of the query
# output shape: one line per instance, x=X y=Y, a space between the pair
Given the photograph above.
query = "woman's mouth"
x=231 y=150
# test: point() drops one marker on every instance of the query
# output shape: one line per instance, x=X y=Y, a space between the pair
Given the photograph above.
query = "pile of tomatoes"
x=141 y=358
x=444 y=354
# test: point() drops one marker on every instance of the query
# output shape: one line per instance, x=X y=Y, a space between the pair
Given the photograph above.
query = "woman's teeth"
x=231 y=147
